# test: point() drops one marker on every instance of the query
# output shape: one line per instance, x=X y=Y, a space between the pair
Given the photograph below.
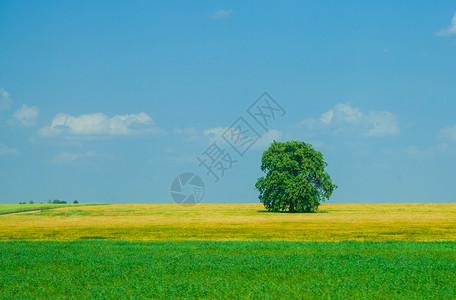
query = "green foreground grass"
x=195 y=269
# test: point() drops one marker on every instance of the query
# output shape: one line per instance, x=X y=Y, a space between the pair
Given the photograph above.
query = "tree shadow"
x=293 y=212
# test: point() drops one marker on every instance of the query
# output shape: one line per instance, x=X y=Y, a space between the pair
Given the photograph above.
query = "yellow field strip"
x=160 y=222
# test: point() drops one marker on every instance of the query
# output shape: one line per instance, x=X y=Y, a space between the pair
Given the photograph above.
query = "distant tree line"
x=55 y=201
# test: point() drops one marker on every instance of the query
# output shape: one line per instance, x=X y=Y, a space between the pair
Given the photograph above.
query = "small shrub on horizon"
x=57 y=201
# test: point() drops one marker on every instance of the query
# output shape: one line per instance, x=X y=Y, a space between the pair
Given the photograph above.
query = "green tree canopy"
x=296 y=180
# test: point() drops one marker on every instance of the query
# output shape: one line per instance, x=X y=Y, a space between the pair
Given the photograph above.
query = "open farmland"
x=6 y=209
x=198 y=269
x=238 y=251
x=161 y=222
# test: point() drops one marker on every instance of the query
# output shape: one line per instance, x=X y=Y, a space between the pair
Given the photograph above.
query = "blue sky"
x=109 y=101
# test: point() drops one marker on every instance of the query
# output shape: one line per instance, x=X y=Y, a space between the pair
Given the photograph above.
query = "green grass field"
x=373 y=251
x=166 y=270
x=18 y=208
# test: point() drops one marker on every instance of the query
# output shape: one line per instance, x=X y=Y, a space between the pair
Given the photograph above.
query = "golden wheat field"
x=165 y=222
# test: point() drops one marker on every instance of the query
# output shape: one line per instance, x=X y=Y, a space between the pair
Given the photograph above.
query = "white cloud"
x=327 y=117
x=215 y=134
x=343 y=118
x=25 y=116
x=267 y=139
x=5 y=150
x=450 y=30
x=5 y=100
x=222 y=14
x=342 y=113
x=382 y=123
x=99 y=124
x=448 y=133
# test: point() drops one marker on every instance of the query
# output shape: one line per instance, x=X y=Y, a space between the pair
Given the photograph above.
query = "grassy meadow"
x=240 y=222
x=19 y=208
x=207 y=269
x=371 y=251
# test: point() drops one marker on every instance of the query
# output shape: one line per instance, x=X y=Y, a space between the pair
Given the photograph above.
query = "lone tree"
x=296 y=180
